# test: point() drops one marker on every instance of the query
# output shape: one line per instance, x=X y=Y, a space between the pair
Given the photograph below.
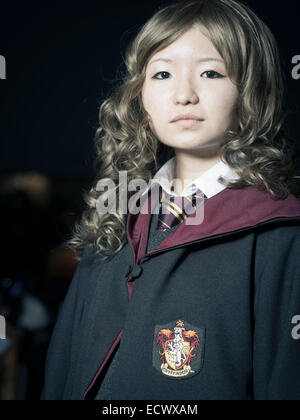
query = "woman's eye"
x=218 y=75
x=163 y=73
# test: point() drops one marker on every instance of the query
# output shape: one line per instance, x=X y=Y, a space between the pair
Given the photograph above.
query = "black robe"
x=207 y=315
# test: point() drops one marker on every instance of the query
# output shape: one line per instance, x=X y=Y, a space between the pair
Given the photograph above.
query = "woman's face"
x=180 y=80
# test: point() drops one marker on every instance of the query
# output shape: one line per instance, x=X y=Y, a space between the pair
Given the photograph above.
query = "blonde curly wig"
x=259 y=151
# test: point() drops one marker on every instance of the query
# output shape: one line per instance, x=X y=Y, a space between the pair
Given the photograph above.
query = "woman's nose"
x=185 y=93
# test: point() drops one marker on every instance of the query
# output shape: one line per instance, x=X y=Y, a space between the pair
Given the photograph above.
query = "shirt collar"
x=207 y=182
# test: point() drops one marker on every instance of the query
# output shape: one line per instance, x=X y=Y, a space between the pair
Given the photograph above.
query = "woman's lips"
x=188 y=123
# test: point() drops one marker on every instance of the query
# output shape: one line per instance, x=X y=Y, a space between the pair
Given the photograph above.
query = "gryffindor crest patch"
x=178 y=349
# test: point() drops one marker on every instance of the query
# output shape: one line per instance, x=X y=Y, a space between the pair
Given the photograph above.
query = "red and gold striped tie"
x=176 y=208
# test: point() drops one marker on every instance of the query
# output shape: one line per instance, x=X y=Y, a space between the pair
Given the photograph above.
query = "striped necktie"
x=176 y=208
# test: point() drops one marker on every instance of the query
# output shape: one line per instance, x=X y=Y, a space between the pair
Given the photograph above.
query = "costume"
x=202 y=313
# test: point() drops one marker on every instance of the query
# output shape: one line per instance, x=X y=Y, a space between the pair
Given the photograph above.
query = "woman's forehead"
x=192 y=43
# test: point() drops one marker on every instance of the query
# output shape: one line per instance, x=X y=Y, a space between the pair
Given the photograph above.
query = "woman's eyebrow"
x=199 y=60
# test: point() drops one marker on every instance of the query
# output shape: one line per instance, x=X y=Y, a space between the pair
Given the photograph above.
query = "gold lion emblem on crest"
x=176 y=349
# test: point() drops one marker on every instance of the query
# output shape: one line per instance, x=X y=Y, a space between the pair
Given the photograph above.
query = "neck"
x=190 y=165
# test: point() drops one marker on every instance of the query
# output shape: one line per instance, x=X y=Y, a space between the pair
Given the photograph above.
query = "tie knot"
x=179 y=201
x=175 y=209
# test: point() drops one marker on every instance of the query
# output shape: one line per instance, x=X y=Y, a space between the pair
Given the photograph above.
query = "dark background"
x=61 y=60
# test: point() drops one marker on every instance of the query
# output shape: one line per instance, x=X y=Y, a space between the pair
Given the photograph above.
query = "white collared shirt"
x=207 y=182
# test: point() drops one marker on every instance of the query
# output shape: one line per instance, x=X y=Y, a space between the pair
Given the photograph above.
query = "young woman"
x=188 y=309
